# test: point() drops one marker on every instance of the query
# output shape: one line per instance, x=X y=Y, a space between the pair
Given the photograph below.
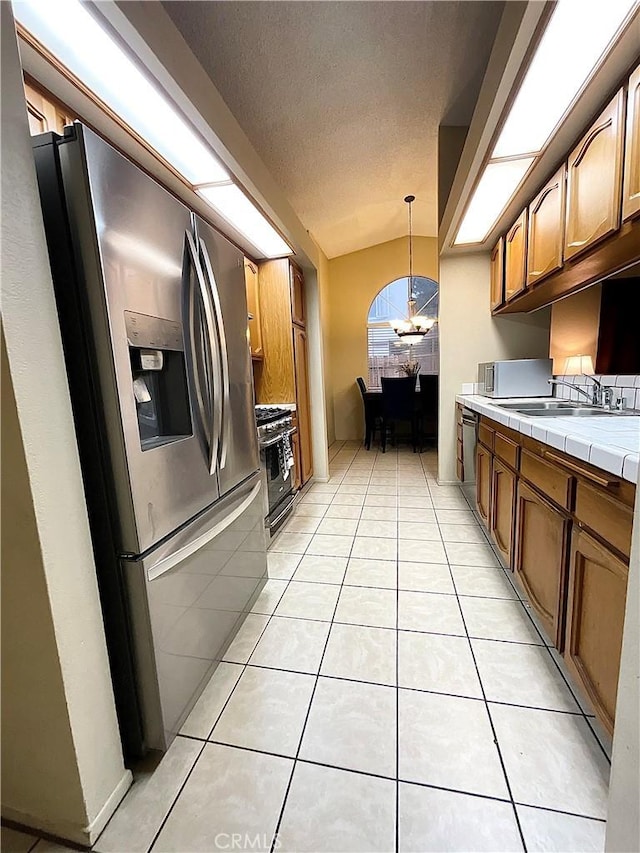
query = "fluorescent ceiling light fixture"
x=239 y=211
x=574 y=41
x=70 y=32
x=497 y=184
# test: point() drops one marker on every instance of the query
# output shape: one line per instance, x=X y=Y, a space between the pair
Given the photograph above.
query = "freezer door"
x=188 y=598
x=153 y=333
x=223 y=266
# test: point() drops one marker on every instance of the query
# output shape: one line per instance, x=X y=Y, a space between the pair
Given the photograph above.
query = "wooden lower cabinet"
x=540 y=560
x=503 y=499
x=483 y=482
x=595 y=620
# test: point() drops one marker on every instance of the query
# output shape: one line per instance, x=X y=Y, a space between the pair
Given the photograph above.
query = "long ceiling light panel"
x=574 y=43
x=498 y=183
x=68 y=30
x=231 y=203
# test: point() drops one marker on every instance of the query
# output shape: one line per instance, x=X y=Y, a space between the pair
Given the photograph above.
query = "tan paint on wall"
x=354 y=280
x=469 y=335
x=574 y=327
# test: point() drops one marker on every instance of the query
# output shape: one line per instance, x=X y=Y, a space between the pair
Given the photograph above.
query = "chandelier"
x=415 y=327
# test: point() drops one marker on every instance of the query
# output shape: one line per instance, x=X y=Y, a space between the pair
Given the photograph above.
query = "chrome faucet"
x=601 y=396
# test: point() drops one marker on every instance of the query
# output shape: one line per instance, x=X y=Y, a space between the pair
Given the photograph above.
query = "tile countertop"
x=608 y=442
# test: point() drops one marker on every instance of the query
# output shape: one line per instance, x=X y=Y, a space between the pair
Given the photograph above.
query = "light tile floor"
x=389 y=692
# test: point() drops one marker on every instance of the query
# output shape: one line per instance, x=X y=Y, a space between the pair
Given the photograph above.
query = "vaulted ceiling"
x=342 y=100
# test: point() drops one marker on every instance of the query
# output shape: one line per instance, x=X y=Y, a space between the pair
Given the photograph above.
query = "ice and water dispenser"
x=158 y=372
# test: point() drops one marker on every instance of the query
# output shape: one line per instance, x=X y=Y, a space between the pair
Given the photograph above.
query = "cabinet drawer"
x=553 y=482
x=506 y=449
x=607 y=517
x=485 y=435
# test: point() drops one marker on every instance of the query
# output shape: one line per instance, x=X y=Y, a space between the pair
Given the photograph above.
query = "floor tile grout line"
x=227 y=700
x=306 y=719
x=527 y=609
x=491 y=723
x=402 y=780
x=405 y=686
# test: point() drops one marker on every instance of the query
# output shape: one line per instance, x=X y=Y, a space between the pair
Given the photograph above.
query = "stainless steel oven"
x=275 y=428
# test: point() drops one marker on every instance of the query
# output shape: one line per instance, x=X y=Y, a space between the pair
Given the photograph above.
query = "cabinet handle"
x=577 y=469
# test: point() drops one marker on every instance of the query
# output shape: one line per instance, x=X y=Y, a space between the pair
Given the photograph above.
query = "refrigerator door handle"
x=224 y=357
x=214 y=441
x=169 y=562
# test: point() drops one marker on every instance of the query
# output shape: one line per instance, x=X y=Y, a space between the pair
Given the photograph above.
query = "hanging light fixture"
x=415 y=327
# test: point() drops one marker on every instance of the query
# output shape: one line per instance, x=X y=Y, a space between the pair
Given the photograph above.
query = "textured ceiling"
x=342 y=100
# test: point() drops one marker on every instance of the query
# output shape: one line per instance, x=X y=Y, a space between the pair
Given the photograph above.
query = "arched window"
x=386 y=351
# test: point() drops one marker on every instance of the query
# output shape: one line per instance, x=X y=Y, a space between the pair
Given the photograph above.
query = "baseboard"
x=84 y=836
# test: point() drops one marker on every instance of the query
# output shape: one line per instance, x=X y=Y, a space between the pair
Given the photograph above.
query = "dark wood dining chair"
x=371 y=414
x=398 y=406
x=429 y=385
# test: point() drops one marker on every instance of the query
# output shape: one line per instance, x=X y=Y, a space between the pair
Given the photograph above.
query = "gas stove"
x=267 y=414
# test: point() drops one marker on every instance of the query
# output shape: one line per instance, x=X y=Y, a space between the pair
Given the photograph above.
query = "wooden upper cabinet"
x=631 y=187
x=297 y=296
x=515 y=257
x=253 y=306
x=595 y=619
x=44 y=112
x=546 y=229
x=275 y=381
x=497 y=274
x=594 y=181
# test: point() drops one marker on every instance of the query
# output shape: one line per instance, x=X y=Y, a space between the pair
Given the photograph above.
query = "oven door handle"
x=279 y=437
x=280 y=514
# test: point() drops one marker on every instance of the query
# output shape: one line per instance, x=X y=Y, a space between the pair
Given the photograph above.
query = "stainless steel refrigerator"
x=153 y=316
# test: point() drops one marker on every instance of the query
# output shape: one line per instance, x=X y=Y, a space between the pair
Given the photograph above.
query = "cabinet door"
x=594 y=179
x=497 y=274
x=503 y=502
x=253 y=306
x=297 y=296
x=631 y=190
x=43 y=112
x=303 y=409
x=515 y=258
x=546 y=227
x=540 y=560
x=595 y=618
x=483 y=482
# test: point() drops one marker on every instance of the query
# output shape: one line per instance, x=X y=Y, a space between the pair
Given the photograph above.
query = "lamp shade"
x=578 y=364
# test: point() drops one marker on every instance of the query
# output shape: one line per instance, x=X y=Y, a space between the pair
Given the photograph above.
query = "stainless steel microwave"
x=522 y=377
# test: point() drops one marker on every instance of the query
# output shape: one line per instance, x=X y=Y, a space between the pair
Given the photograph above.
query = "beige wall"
x=469 y=335
x=354 y=281
x=574 y=326
x=62 y=768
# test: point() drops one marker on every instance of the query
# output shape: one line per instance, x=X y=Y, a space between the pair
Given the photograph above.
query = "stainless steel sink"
x=570 y=412
x=541 y=404
x=564 y=409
